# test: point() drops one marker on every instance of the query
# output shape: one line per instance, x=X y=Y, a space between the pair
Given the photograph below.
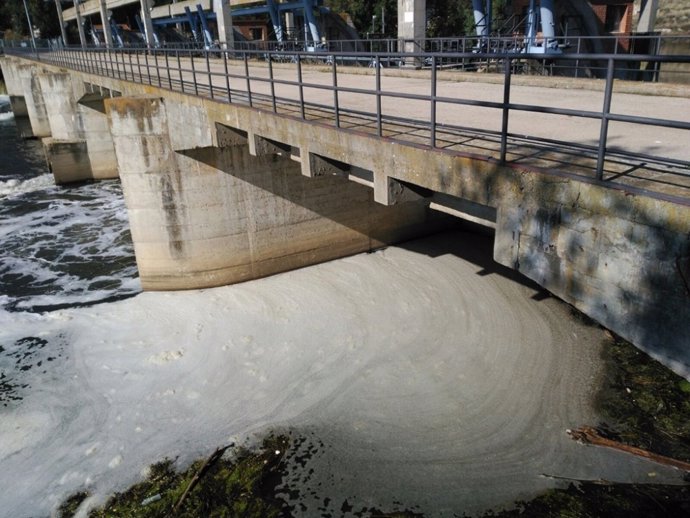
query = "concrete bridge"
x=234 y=167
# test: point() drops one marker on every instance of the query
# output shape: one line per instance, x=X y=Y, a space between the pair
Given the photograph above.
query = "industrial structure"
x=540 y=26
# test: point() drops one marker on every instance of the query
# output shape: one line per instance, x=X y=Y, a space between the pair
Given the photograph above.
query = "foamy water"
x=5 y=109
x=419 y=377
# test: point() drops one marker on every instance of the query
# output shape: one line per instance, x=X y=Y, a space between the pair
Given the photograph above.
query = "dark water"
x=59 y=247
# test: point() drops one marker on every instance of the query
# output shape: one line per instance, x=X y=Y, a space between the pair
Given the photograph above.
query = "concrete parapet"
x=214 y=215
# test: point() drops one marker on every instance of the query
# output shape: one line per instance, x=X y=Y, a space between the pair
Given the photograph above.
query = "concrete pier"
x=206 y=212
x=80 y=146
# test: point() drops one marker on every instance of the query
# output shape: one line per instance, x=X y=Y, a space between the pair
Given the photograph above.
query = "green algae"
x=594 y=500
x=242 y=486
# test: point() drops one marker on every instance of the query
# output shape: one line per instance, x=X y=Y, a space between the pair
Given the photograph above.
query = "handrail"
x=217 y=74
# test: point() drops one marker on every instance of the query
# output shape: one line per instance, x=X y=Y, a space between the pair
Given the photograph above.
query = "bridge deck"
x=649 y=158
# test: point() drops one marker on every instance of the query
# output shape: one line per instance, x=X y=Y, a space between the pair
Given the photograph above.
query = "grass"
x=644 y=404
x=243 y=486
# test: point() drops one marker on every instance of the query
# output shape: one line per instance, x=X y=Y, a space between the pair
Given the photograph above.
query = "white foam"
x=427 y=384
x=16 y=186
x=4 y=103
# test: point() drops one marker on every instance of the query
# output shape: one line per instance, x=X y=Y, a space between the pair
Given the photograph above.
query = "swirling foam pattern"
x=419 y=377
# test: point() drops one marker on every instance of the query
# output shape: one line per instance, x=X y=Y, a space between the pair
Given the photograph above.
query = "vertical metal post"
x=179 y=69
x=227 y=76
x=196 y=87
x=246 y=75
x=577 y=61
x=208 y=71
x=301 y=86
x=379 y=122
x=506 y=110
x=139 y=69
x=167 y=67
x=158 y=70
x=432 y=120
x=148 y=69
x=131 y=66
x=336 y=106
x=603 y=135
x=273 y=86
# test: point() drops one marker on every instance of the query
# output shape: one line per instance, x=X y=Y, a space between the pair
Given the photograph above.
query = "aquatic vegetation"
x=241 y=485
x=644 y=403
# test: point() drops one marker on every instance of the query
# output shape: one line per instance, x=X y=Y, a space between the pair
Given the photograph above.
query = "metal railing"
x=260 y=79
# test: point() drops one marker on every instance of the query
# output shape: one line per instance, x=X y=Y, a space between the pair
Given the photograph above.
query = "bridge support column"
x=16 y=93
x=226 y=37
x=214 y=214
x=66 y=150
x=80 y=147
x=35 y=104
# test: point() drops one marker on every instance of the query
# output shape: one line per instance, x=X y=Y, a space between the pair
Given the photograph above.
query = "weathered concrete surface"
x=617 y=254
x=76 y=117
x=16 y=92
x=33 y=98
x=206 y=215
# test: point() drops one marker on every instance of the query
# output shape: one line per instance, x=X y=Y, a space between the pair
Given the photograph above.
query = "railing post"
x=196 y=87
x=146 y=64
x=167 y=67
x=208 y=71
x=227 y=76
x=432 y=120
x=506 y=109
x=273 y=86
x=179 y=70
x=301 y=86
x=249 y=83
x=158 y=72
x=379 y=122
x=603 y=135
x=336 y=106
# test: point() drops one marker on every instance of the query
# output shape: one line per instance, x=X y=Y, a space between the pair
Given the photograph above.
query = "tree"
x=363 y=11
x=43 y=17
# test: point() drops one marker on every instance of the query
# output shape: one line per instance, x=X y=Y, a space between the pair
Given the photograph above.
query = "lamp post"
x=31 y=27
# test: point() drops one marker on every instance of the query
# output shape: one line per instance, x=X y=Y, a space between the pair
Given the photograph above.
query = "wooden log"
x=589 y=435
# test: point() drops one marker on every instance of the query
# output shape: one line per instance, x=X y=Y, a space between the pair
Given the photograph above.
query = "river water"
x=421 y=377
